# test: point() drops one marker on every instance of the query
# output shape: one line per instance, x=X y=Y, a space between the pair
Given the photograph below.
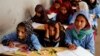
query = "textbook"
x=78 y=52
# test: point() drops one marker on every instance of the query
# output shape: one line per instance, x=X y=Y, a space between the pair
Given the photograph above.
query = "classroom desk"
x=48 y=51
x=39 y=26
x=51 y=51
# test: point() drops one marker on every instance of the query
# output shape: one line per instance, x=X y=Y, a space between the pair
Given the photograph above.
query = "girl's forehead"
x=80 y=18
x=21 y=28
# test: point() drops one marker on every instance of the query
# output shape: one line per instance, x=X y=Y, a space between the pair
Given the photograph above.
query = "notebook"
x=78 y=52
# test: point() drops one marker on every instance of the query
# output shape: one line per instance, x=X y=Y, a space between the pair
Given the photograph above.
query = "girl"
x=41 y=15
x=80 y=33
x=54 y=36
x=24 y=37
x=64 y=15
x=55 y=7
x=81 y=6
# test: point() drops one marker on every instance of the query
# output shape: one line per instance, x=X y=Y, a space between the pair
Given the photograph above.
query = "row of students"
x=78 y=34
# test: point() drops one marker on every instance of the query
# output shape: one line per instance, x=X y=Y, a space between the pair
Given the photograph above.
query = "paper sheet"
x=78 y=52
x=4 y=49
x=37 y=25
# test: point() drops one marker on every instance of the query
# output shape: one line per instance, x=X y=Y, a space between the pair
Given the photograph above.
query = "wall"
x=14 y=11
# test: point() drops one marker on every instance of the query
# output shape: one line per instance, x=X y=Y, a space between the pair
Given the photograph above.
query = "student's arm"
x=36 y=42
x=57 y=31
x=8 y=39
x=91 y=44
x=68 y=41
x=47 y=31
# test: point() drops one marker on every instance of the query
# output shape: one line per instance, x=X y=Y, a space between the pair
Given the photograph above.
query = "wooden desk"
x=53 y=51
x=39 y=26
x=49 y=51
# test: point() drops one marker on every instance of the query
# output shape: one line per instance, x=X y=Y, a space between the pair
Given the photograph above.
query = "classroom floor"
x=98 y=40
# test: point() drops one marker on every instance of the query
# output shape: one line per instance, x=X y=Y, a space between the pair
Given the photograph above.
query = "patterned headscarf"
x=28 y=27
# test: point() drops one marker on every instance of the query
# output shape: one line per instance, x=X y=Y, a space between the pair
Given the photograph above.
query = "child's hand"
x=11 y=44
x=23 y=48
x=72 y=47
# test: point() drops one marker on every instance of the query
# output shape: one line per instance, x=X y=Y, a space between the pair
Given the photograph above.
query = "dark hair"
x=40 y=9
x=91 y=5
x=52 y=23
x=21 y=24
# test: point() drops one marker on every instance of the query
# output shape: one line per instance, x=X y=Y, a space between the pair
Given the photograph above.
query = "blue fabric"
x=87 y=41
x=32 y=41
x=95 y=11
x=86 y=13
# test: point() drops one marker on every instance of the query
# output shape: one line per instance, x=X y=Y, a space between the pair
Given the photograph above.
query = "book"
x=80 y=51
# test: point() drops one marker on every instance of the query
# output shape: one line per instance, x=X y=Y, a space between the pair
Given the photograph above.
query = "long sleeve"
x=36 y=42
x=68 y=38
x=9 y=37
x=91 y=44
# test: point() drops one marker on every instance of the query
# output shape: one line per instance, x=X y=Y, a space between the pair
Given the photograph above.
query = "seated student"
x=54 y=35
x=65 y=14
x=41 y=15
x=94 y=10
x=80 y=33
x=22 y=38
x=81 y=6
x=55 y=7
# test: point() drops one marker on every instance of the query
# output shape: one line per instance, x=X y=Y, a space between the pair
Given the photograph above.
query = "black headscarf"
x=91 y=5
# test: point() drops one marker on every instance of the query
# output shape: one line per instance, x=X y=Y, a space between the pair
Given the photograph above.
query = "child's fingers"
x=72 y=47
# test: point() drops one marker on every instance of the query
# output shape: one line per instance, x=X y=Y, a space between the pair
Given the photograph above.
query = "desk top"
x=39 y=26
x=48 y=51
x=51 y=51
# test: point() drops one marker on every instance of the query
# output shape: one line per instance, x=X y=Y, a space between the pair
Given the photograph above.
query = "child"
x=24 y=38
x=94 y=10
x=55 y=7
x=41 y=15
x=80 y=33
x=65 y=14
x=81 y=6
x=54 y=36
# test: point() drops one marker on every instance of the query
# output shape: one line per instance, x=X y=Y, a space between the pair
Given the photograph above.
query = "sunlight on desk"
x=39 y=26
x=52 y=51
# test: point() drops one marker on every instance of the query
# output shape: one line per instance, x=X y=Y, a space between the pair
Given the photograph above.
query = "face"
x=51 y=31
x=92 y=1
x=80 y=22
x=63 y=10
x=21 y=32
x=57 y=5
x=38 y=14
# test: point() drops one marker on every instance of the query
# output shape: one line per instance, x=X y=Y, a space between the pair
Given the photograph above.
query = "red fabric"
x=53 y=9
x=64 y=18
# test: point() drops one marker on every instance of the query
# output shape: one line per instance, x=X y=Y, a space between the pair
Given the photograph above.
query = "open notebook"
x=5 y=49
x=78 y=52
